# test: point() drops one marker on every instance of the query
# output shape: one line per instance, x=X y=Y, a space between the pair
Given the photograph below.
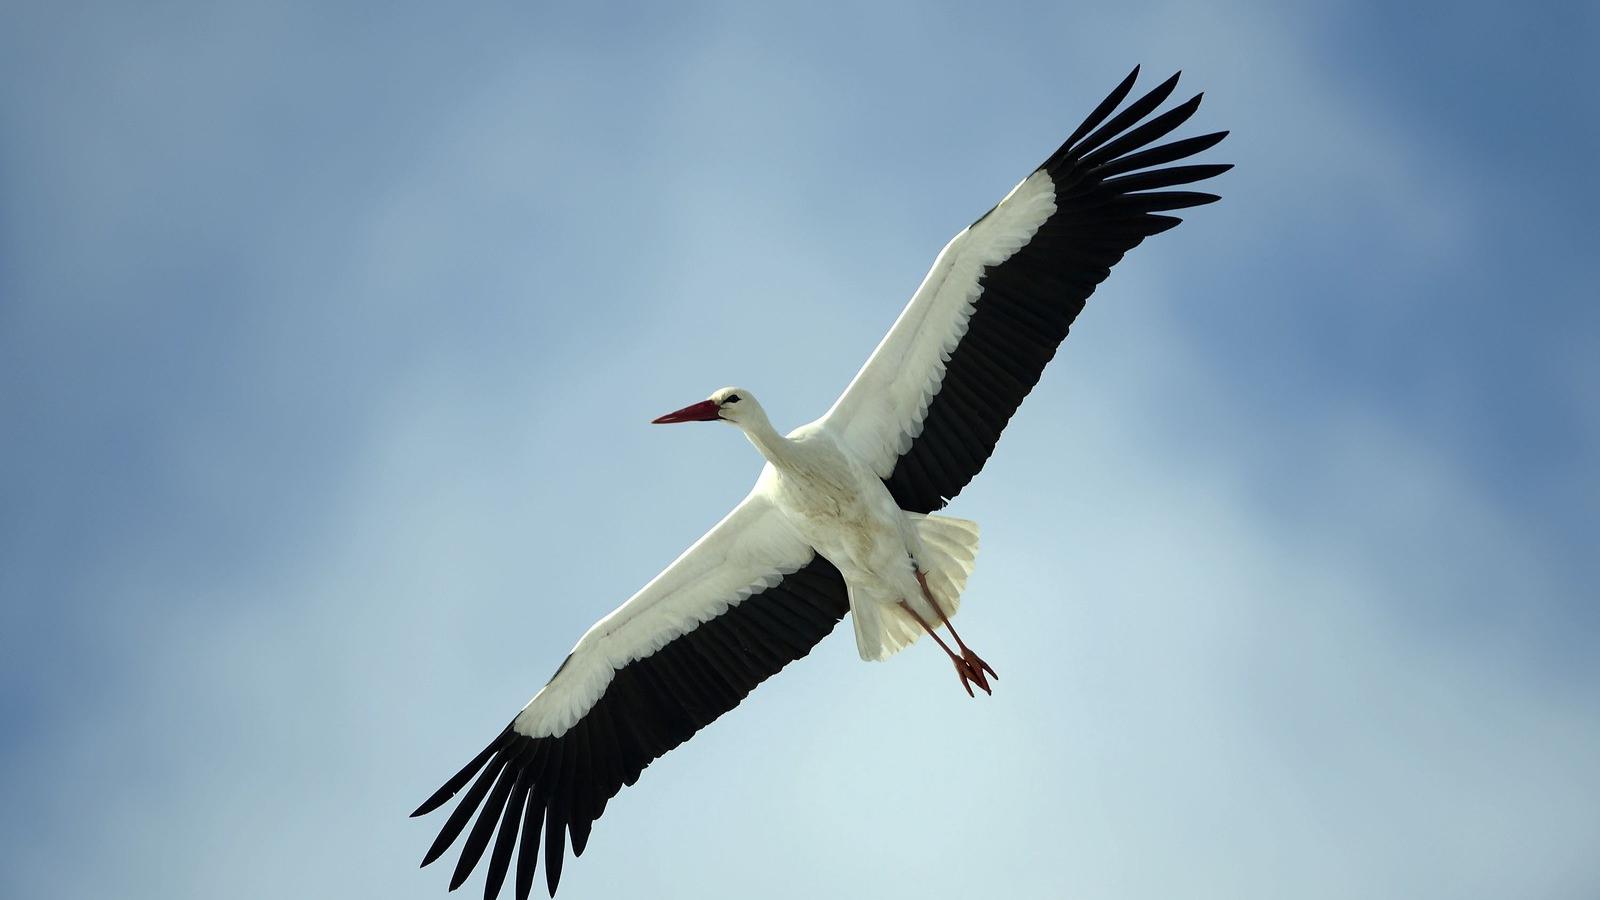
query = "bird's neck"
x=774 y=446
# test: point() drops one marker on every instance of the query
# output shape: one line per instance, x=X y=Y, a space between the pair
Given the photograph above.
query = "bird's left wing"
x=747 y=599
x=927 y=408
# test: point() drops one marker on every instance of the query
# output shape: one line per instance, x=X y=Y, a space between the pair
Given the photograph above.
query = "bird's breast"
x=840 y=514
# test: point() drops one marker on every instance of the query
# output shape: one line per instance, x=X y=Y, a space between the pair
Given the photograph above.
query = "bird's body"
x=842 y=518
x=844 y=512
x=839 y=507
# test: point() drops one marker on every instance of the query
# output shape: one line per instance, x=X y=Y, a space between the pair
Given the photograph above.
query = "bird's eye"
x=732 y=398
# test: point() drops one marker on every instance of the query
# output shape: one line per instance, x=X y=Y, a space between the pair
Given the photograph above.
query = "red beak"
x=704 y=411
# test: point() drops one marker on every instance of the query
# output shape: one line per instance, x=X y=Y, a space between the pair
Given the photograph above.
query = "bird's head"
x=729 y=404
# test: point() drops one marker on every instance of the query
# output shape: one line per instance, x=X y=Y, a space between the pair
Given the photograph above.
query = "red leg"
x=964 y=670
x=966 y=652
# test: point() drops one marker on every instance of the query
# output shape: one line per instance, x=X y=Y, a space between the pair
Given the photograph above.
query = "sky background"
x=329 y=335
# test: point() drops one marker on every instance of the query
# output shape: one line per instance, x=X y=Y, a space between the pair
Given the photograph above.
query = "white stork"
x=840 y=519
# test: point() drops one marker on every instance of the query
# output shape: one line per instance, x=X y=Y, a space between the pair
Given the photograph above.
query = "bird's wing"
x=927 y=408
x=747 y=599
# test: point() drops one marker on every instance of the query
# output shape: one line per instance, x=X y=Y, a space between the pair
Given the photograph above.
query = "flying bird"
x=842 y=518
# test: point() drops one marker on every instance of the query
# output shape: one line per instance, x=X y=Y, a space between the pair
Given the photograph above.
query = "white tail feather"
x=949 y=550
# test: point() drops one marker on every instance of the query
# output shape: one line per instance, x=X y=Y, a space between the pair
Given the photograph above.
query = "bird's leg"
x=972 y=658
x=964 y=670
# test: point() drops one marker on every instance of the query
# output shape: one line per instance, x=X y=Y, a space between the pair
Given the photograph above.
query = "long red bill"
x=704 y=411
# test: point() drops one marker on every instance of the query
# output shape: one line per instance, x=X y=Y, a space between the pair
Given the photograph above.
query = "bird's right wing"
x=929 y=405
x=747 y=599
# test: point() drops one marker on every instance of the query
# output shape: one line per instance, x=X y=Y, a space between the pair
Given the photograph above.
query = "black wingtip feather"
x=488 y=820
x=1161 y=155
x=1119 y=123
x=1160 y=223
x=506 y=840
x=1165 y=200
x=1151 y=131
x=582 y=778
x=580 y=834
x=463 y=812
x=555 y=851
x=443 y=794
x=1171 y=176
x=556 y=812
x=528 y=845
x=1100 y=112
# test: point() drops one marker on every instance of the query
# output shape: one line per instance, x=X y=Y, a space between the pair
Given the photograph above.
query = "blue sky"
x=329 y=333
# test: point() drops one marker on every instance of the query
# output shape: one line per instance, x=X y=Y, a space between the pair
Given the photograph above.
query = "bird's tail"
x=949 y=550
x=949 y=553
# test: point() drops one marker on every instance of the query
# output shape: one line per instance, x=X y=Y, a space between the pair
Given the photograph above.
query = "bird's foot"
x=976 y=663
x=970 y=674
